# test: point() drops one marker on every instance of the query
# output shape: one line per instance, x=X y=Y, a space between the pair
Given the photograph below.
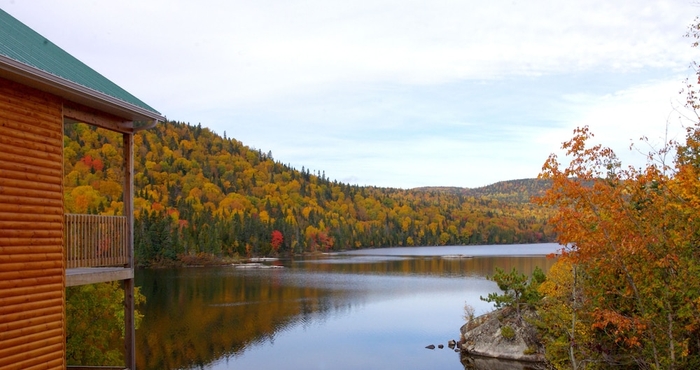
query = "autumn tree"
x=634 y=235
x=565 y=329
x=277 y=239
x=631 y=236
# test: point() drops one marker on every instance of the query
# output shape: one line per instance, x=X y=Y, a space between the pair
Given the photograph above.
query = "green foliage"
x=517 y=289
x=565 y=333
x=530 y=350
x=507 y=332
x=95 y=324
x=532 y=295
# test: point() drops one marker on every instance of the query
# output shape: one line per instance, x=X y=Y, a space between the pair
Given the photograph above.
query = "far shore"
x=453 y=252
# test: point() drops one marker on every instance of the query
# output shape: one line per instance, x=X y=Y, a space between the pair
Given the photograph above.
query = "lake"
x=365 y=309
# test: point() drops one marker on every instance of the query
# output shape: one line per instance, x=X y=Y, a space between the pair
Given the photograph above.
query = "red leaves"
x=320 y=239
x=94 y=163
x=277 y=239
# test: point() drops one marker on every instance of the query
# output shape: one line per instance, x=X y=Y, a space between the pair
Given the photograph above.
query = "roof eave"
x=42 y=80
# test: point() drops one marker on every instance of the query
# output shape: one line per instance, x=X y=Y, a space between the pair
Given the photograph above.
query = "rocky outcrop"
x=502 y=334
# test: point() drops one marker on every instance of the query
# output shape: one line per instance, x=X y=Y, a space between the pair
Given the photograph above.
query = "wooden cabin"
x=43 y=250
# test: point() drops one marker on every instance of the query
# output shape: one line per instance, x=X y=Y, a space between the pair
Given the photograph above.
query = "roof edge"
x=43 y=80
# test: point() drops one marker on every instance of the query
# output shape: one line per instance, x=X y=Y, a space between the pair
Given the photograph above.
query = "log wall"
x=32 y=271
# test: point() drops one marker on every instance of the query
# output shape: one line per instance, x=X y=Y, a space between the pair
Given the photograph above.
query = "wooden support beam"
x=129 y=319
x=93 y=275
x=129 y=325
x=78 y=113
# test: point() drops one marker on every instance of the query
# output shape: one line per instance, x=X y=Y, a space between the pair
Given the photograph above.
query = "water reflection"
x=486 y=363
x=195 y=316
x=435 y=266
x=340 y=312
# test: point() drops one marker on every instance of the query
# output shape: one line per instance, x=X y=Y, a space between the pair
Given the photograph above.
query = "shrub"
x=507 y=332
x=468 y=312
x=530 y=351
x=518 y=289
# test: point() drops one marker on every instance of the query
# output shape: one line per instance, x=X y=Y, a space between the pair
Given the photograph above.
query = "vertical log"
x=77 y=235
x=83 y=237
x=130 y=333
x=73 y=250
x=87 y=241
x=111 y=242
x=93 y=244
x=79 y=241
x=66 y=240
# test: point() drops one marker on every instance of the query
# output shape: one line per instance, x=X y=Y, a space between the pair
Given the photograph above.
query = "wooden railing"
x=95 y=241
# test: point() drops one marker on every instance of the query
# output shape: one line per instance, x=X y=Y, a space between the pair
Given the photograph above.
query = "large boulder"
x=502 y=334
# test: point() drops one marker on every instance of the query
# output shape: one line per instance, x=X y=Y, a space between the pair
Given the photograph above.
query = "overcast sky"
x=392 y=93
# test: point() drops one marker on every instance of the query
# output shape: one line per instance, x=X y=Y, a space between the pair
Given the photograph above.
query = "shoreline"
x=510 y=250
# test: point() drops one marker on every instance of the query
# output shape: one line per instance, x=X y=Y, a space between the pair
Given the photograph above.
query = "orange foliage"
x=632 y=233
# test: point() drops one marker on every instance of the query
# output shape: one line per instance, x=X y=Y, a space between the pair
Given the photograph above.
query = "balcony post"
x=129 y=329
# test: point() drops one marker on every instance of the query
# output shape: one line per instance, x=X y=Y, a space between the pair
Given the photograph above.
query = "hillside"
x=511 y=191
x=197 y=193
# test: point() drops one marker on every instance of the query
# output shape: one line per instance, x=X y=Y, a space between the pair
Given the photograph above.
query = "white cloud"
x=621 y=118
x=388 y=92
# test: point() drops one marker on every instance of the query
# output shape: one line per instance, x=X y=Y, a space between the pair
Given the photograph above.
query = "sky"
x=388 y=93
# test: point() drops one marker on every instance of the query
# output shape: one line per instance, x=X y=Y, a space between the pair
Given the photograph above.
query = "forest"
x=624 y=292
x=200 y=196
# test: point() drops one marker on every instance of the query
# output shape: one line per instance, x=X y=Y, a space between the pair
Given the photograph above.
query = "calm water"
x=371 y=309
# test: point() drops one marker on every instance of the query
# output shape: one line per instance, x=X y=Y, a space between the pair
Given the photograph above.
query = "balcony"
x=97 y=249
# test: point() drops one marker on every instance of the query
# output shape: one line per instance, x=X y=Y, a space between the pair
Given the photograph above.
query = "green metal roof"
x=22 y=44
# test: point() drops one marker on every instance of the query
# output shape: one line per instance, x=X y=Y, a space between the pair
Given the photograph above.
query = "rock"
x=441 y=346
x=482 y=336
x=452 y=343
x=430 y=346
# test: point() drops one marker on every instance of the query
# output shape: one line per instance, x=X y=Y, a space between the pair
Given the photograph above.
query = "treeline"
x=197 y=193
x=511 y=191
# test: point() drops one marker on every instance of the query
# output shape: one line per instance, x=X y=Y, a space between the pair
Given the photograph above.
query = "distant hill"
x=198 y=193
x=511 y=191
